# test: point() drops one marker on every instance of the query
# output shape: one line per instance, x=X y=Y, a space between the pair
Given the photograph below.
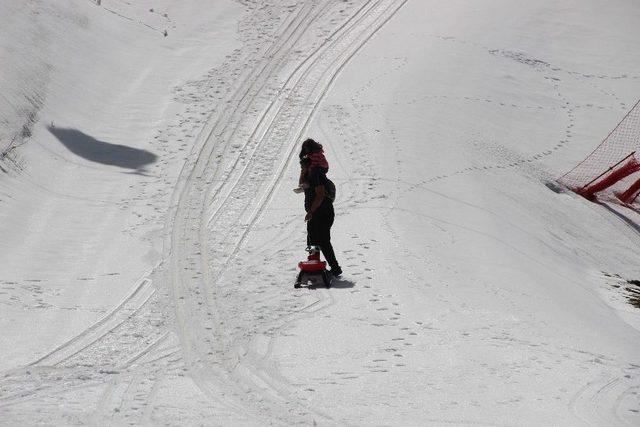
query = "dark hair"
x=309 y=146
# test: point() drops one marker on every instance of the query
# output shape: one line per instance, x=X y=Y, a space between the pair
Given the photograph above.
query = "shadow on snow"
x=335 y=284
x=87 y=147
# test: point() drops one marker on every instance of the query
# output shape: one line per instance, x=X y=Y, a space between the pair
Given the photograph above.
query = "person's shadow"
x=335 y=283
x=339 y=283
x=87 y=147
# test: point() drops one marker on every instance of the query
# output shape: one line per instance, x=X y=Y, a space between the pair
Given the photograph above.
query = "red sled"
x=312 y=268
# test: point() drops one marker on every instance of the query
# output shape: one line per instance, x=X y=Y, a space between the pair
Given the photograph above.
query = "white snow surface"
x=150 y=237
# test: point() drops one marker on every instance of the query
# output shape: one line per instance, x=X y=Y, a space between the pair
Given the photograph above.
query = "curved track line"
x=139 y=295
x=600 y=400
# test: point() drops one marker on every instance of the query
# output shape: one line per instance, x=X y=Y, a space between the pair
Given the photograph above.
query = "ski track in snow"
x=237 y=203
x=236 y=163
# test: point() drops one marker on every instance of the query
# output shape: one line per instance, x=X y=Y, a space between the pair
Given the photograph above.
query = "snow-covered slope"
x=82 y=199
x=150 y=234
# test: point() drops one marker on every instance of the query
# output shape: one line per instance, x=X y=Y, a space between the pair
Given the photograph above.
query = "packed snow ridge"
x=150 y=238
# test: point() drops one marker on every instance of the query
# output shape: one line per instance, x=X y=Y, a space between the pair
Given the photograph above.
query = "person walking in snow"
x=319 y=194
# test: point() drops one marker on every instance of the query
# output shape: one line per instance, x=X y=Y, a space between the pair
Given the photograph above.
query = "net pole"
x=606 y=172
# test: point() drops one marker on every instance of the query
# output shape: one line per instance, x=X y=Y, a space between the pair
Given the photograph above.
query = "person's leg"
x=316 y=230
x=324 y=239
x=319 y=234
x=329 y=255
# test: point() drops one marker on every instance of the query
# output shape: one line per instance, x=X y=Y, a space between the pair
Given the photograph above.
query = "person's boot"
x=335 y=271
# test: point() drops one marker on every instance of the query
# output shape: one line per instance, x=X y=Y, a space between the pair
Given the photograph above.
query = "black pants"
x=319 y=234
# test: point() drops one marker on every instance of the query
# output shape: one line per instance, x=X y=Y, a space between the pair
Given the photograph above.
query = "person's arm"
x=302 y=177
x=317 y=201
